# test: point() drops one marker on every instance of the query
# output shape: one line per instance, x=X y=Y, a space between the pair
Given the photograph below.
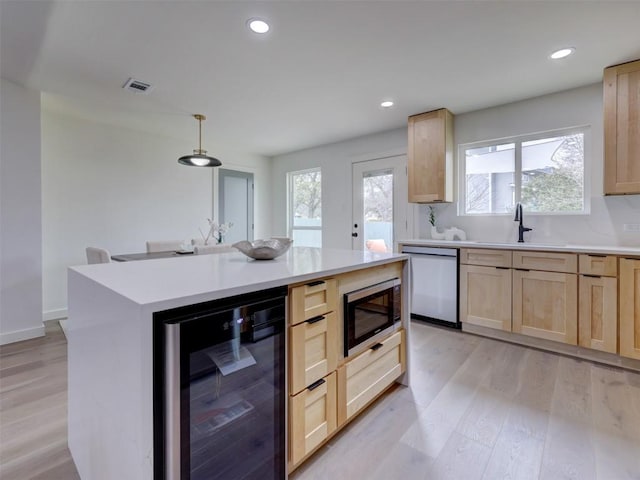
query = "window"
x=544 y=172
x=304 y=199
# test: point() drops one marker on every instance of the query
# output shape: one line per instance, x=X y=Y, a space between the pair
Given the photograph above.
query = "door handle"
x=354 y=234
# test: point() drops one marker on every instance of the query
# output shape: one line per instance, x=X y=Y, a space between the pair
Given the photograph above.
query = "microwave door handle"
x=172 y=445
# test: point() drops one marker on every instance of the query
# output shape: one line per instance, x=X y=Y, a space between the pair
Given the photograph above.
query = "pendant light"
x=199 y=158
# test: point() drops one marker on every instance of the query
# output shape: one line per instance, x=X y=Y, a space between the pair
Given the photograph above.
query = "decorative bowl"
x=264 y=249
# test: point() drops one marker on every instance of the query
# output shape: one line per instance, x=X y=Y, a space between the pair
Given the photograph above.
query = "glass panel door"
x=379 y=204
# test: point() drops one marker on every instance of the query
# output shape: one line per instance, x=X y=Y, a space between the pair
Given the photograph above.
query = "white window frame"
x=291 y=209
x=585 y=130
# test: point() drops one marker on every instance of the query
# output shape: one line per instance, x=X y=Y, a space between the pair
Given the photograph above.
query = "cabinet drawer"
x=313 y=347
x=313 y=299
x=546 y=261
x=312 y=418
x=370 y=373
x=604 y=265
x=490 y=258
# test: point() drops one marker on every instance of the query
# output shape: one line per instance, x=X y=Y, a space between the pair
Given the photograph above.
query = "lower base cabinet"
x=598 y=313
x=313 y=417
x=630 y=308
x=369 y=374
x=485 y=296
x=326 y=405
x=545 y=305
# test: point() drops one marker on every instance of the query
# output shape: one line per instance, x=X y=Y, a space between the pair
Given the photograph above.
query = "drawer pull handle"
x=591 y=276
x=523 y=269
x=317 y=319
x=376 y=346
x=597 y=256
x=502 y=268
x=313 y=284
x=315 y=385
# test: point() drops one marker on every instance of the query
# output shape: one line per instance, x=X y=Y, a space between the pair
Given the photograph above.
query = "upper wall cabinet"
x=622 y=129
x=431 y=157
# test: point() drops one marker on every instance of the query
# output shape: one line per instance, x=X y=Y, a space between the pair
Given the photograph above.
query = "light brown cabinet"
x=318 y=387
x=598 y=302
x=313 y=347
x=366 y=376
x=430 y=157
x=485 y=288
x=546 y=261
x=313 y=299
x=545 y=305
x=313 y=417
x=598 y=313
x=630 y=307
x=621 y=127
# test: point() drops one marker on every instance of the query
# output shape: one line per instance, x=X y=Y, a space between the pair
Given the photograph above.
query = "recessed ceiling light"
x=386 y=104
x=258 y=25
x=563 y=52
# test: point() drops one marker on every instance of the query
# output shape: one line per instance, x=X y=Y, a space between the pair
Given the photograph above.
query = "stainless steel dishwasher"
x=434 y=296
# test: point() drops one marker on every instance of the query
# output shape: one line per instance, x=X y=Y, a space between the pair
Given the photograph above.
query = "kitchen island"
x=111 y=347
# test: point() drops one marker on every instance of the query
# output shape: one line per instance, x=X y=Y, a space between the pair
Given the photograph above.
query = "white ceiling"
x=318 y=76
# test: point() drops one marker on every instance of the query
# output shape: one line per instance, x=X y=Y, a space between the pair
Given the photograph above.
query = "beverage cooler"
x=219 y=389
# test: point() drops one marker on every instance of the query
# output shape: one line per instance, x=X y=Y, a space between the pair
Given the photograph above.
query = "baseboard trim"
x=54 y=314
x=20 y=335
x=556 y=347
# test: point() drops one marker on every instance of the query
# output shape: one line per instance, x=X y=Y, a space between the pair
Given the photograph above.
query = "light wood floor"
x=478 y=408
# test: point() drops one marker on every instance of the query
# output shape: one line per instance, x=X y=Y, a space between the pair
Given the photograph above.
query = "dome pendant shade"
x=199 y=158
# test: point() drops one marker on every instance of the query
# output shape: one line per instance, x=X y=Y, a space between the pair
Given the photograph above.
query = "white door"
x=235 y=204
x=380 y=206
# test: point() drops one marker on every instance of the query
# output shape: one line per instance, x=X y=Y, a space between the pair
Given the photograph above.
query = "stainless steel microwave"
x=370 y=313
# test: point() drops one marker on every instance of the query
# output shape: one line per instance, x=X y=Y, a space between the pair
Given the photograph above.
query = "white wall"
x=336 y=162
x=20 y=214
x=581 y=106
x=116 y=188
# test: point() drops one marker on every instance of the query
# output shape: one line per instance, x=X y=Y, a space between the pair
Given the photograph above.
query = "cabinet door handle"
x=376 y=346
x=315 y=319
x=315 y=385
x=591 y=276
x=523 y=269
x=502 y=268
x=313 y=284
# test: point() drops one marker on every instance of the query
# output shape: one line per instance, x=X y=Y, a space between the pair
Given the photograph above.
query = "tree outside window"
x=545 y=174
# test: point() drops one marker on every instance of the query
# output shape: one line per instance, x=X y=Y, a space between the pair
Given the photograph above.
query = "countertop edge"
x=219 y=293
x=595 y=249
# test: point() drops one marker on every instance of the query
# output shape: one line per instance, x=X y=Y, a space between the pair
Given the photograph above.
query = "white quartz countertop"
x=547 y=247
x=223 y=275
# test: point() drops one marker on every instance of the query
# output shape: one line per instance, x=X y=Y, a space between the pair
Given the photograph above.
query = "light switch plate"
x=632 y=227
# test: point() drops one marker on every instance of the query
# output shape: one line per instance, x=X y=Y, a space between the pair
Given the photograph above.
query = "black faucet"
x=518 y=218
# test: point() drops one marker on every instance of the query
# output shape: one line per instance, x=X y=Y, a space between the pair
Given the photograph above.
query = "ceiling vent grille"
x=136 y=86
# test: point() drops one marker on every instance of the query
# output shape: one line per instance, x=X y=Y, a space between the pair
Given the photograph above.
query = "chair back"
x=209 y=249
x=164 y=245
x=97 y=255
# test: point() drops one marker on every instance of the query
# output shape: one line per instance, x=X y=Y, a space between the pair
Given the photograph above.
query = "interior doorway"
x=235 y=204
